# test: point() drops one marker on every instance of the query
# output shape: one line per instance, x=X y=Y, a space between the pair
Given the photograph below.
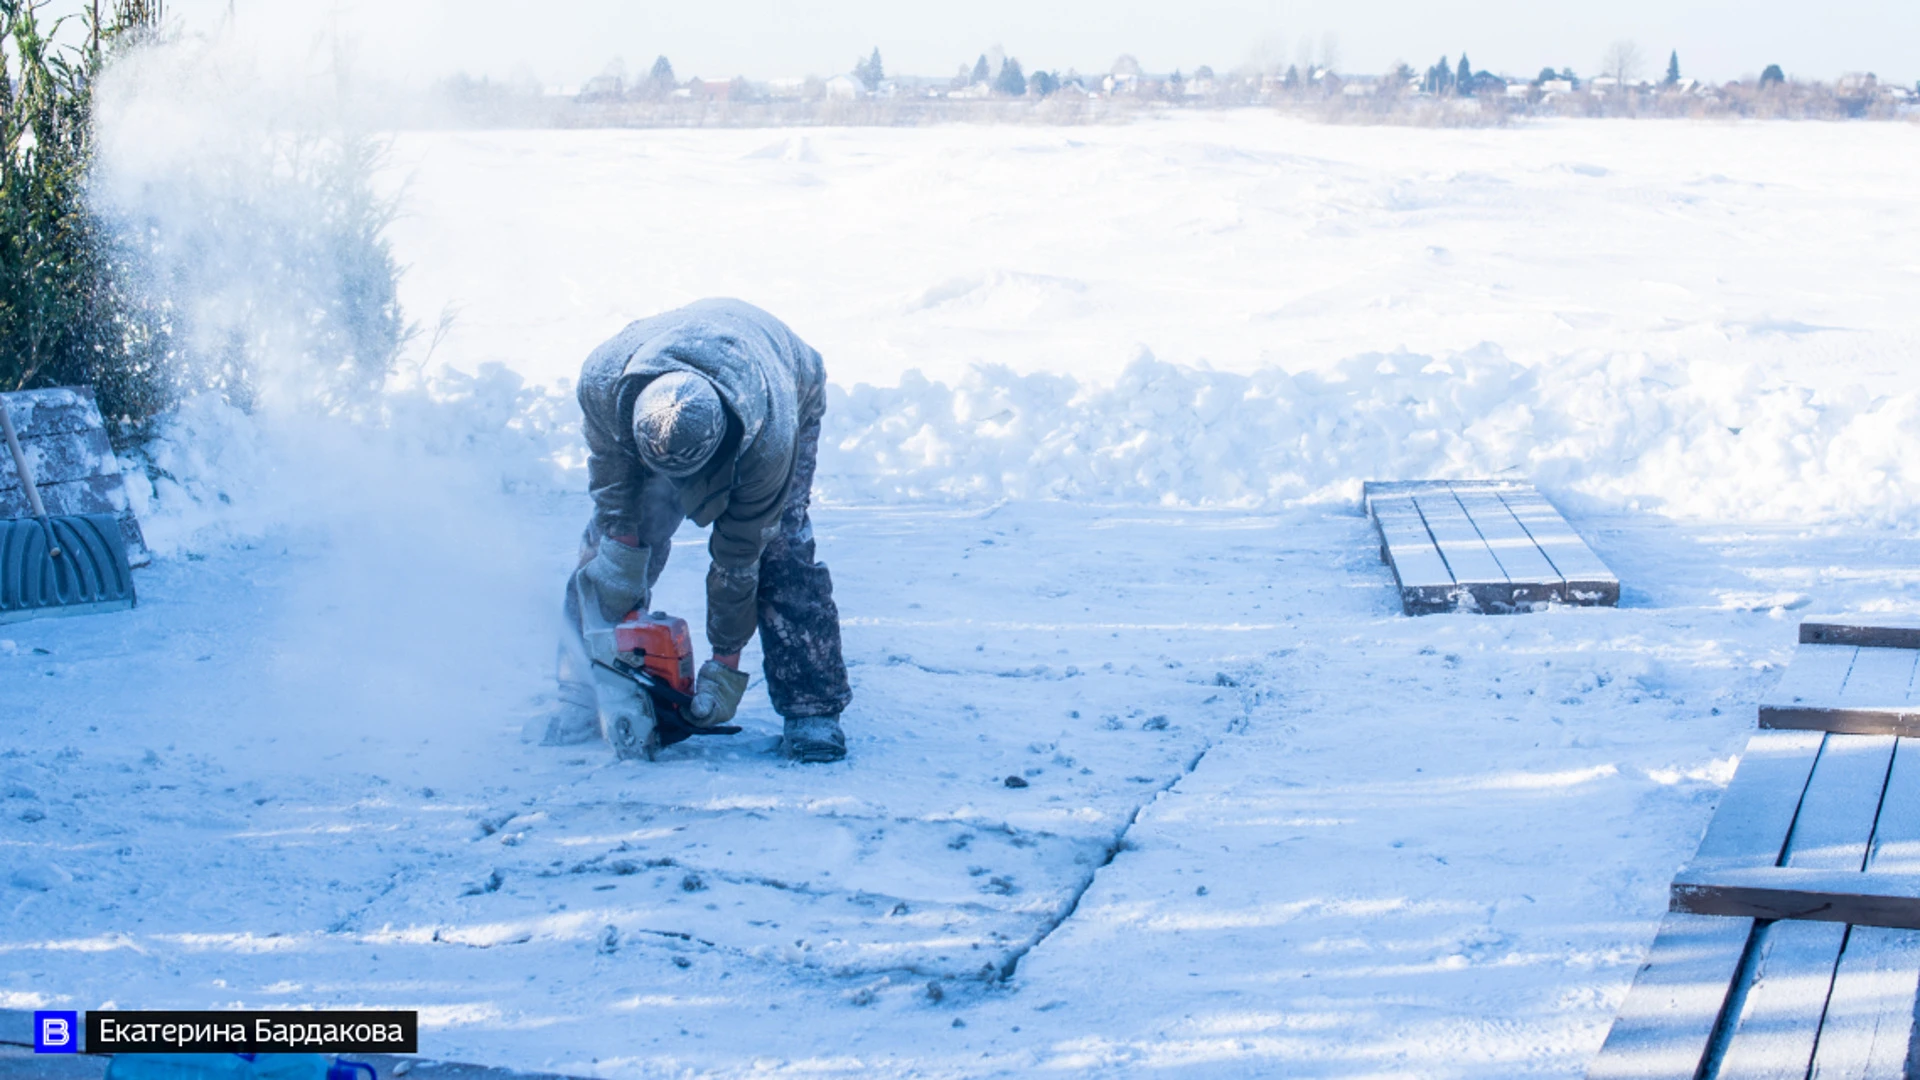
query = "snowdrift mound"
x=1692 y=440
x=1700 y=441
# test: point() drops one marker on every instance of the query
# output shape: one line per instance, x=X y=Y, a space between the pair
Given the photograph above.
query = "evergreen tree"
x=1464 y=77
x=869 y=71
x=1043 y=84
x=1773 y=76
x=980 y=71
x=1673 y=67
x=1011 y=81
x=69 y=305
x=660 y=80
x=1546 y=74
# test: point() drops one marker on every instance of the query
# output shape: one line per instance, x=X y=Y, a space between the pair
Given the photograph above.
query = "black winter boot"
x=815 y=739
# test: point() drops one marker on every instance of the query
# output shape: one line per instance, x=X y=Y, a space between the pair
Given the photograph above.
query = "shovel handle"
x=20 y=463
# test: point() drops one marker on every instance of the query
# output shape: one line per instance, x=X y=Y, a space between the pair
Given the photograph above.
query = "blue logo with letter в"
x=56 y=1032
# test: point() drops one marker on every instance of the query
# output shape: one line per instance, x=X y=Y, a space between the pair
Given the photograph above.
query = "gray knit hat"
x=678 y=423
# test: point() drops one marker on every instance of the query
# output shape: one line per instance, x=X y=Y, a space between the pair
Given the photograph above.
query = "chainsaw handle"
x=647 y=682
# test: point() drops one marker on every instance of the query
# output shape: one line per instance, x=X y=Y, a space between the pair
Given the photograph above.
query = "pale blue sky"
x=564 y=40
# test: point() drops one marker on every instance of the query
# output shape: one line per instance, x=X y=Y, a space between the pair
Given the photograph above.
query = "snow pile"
x=1697 y=440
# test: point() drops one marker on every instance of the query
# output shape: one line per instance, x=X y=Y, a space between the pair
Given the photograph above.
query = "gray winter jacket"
x=773 y=384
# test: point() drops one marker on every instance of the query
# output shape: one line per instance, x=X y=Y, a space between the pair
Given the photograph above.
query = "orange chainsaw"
x=655 y=652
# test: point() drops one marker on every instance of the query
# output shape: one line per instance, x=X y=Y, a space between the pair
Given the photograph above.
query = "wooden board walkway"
x=65 y=441
x=1857 y=677
x=1483 y=545
x=1791 y=947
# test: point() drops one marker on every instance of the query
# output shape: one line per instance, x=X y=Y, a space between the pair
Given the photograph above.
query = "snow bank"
x=1692 y=441
x=1689 y=440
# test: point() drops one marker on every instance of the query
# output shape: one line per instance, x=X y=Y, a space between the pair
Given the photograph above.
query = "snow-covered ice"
x=1269 y=824
x=1239 y=239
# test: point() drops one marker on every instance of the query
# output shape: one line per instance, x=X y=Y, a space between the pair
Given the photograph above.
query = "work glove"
x=716 y=694
x=617 y=574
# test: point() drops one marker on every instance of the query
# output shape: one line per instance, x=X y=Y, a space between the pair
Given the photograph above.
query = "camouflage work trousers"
x=799 y=623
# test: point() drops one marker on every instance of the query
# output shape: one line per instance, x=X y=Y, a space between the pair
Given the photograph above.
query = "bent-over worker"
x=712 y=412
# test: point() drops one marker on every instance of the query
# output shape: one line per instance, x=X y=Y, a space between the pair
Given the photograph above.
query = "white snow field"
x=1270 y=825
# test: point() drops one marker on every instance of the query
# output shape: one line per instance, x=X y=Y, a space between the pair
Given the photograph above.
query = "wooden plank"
x=1868 y=898
x=1489 y=485
x=1774 y=1028
x=1588 y=579
x=1425 y=585
x=1822 y=878
x=1777 y=1026
x=1372 y=489
x=1873 y=631
x=1749 y=833
x=1665 y=1027
x=1532 y=577
x=1867 y=1030
x=1415 y=558
x=1815 y=676
x=1383 y=488
x=1485 y=558
x=1904 y=722
x=1472 y=564
x=1880 y=677
x=1896 y=833
x=1870 y=1014
x=1750 y=826
x=1812 y=681
x=1834 y=826
x=1841 y=688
